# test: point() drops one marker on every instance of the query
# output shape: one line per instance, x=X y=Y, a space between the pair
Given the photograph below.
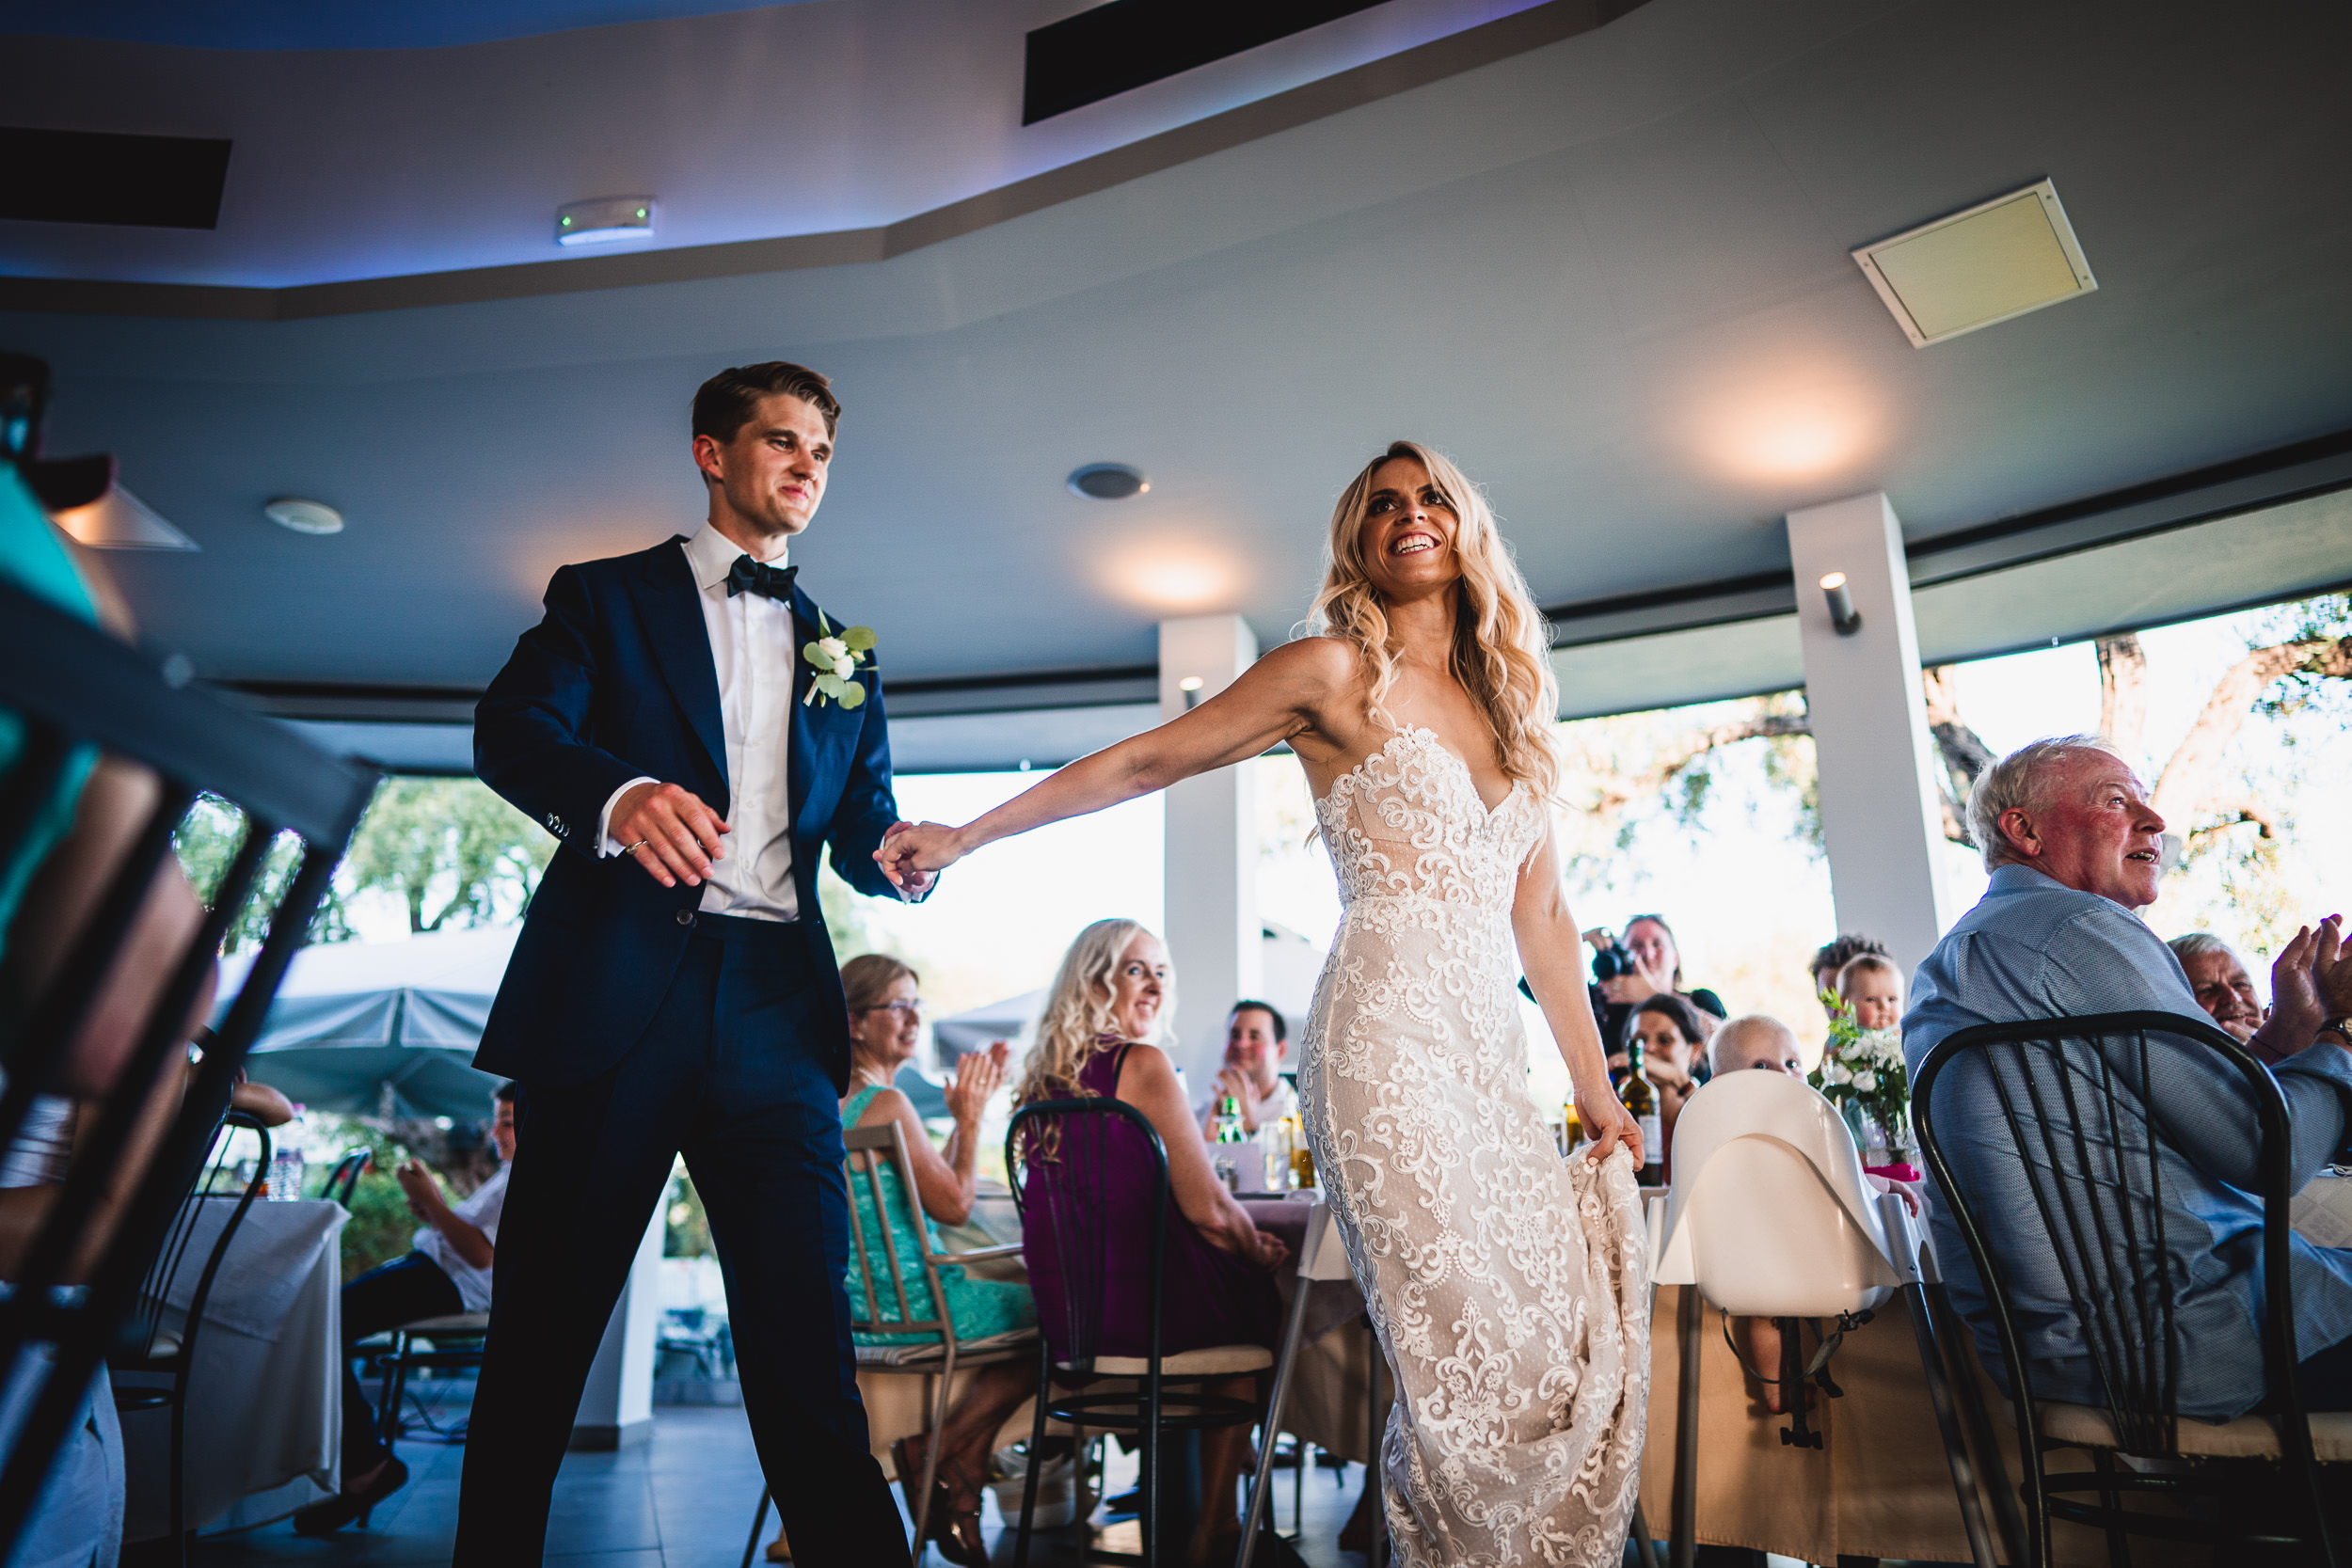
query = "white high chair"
x=1770 y=1217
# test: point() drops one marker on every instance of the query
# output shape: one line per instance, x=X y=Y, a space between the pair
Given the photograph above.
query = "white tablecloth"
x=264 y=1402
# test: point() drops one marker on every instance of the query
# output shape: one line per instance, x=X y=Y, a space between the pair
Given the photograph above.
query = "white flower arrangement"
x=1862 y=1070
x=835 y=656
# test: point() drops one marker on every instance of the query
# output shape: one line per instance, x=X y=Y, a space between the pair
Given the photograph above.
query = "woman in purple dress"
x=1100 y=1036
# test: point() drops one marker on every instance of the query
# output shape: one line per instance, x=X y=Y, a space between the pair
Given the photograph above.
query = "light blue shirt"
x=2034 y=948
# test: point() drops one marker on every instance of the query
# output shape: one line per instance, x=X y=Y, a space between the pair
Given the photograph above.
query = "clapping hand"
x=912 y=854
x=2310 y=982
x=978 y=1075
x=417 y=1185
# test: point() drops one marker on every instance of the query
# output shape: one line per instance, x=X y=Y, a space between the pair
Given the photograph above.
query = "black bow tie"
x=754 y=576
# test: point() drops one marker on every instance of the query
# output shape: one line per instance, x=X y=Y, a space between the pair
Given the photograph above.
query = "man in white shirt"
x=697 y=735
x=1257 y=1041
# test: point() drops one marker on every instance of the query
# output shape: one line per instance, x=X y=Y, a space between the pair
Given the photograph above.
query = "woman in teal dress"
x=886 y=1023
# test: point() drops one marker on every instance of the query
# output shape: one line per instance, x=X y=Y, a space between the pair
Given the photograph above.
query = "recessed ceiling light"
x=1107 y=482
x=304 y=516
x=604 y=219
x=1998 y=258
x=118 y=520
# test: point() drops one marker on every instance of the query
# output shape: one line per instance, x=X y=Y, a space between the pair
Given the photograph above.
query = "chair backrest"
x=216 y=1185
x=886 y=1304
x=1770 y=1214
x=1060 y=1155
x=73 y=690
x=345 y=1179
x=2048 y=1142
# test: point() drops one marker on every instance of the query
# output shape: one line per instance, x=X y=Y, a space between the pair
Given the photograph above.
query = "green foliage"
x=450 y=849
x=208 y=839
x=2308 y=690
x=686 y=1229
x=1862 y=1071
x=381 y=1227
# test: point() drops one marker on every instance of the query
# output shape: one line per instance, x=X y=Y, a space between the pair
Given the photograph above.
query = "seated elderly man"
x=2223 y=988
x=2074 y=847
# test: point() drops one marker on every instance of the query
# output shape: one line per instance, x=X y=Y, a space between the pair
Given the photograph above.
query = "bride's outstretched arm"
x=1284 y=694
x=1550 y=955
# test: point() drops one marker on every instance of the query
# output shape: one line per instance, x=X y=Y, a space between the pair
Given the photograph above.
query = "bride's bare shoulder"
x=1329 y=665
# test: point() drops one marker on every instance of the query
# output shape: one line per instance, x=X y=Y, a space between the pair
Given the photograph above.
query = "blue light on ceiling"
x=309 y=25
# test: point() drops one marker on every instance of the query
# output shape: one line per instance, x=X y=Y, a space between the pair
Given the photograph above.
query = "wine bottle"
x=1642 y=1099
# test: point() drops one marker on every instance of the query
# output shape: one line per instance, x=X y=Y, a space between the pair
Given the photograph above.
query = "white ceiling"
x=1609 y=273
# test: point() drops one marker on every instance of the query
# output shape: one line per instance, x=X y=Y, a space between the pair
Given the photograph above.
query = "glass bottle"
x=1571 y=1127
x=1302 y=1158
x=1642 y=1099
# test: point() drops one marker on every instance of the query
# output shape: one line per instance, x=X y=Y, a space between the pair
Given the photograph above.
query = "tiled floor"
x=682 y=1500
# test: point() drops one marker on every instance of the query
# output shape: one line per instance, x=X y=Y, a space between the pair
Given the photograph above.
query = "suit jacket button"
x=686 y=917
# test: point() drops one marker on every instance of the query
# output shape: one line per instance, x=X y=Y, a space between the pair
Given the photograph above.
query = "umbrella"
x=382 y=1028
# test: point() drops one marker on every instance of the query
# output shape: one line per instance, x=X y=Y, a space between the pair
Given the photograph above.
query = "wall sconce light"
x=1190 y=685
x=1842 y=614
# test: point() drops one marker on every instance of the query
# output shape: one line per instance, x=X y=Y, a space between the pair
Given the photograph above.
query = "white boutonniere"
x=837 y=656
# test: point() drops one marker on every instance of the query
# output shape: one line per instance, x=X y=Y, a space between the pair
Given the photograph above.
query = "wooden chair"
x=2060 y=1154
x=884 y=1306
x=1077 y=1383
x=72 y=691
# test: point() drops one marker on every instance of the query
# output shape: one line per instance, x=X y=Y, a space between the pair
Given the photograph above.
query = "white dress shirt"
x=753 y=644
x=480 y=1210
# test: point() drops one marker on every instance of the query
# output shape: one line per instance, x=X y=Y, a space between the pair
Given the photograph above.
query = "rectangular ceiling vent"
x=1998 y=258
x=1112 y=49
x=105 y=177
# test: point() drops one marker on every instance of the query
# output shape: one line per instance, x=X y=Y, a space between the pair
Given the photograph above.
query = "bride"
x=1506 y=1284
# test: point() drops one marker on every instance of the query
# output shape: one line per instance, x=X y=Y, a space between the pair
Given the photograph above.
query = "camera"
x=1611 y=963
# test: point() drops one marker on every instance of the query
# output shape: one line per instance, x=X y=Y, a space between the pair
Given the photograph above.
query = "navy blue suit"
x=640 y=1028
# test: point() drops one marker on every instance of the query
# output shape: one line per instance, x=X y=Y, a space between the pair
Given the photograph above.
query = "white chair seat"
x=2247 y=1438
x=454 y=1323
x=1211 y=1361
x=919 y=1352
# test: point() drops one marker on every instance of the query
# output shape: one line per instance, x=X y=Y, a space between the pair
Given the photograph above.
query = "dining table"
x=263 y=1430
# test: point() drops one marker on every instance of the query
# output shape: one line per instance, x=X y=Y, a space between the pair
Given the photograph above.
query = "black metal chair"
x=1077 y=1383
x=159 y=1341
x=345 y=1179
x=75 y=690
x=2061 y=1157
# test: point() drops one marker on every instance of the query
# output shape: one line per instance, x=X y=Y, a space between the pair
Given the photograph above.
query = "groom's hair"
x=724 y=402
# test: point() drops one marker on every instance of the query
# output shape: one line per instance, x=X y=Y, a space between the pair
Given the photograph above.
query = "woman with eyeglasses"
x=885 y=1024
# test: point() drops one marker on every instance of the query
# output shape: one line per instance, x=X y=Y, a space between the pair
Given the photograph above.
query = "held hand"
x=1609 y=1124
x=670 y=832
x=914 y=853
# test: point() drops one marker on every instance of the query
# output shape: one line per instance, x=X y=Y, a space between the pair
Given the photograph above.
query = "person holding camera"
x=1645 y=964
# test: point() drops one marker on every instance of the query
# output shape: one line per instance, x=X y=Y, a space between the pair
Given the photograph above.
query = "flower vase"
x=1869 y=1141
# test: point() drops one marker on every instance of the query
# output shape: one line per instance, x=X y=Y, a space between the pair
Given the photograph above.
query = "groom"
x=674 y=988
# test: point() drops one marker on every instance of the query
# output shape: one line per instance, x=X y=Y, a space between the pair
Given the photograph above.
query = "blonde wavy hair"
x=1501 y=647
x=1078 y=1012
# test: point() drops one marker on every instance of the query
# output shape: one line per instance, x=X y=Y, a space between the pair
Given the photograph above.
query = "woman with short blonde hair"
x=1423 y=712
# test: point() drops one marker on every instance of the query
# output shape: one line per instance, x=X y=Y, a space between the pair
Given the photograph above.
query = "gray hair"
x=2015 y=784
x=2197 y=943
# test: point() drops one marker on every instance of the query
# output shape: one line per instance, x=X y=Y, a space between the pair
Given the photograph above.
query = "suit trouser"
x=730 y=1073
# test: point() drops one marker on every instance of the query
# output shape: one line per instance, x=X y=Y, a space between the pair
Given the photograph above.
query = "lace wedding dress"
x=1506 y=1284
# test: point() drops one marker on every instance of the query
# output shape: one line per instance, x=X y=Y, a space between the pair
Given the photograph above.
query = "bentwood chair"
x=152 y=1345
x=1055 y=1153
x=1770 y=1217
x=927 y=1348
x=69 y=692
x=2048 y=1139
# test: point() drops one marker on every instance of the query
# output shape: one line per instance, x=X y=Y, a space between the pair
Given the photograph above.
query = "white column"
x=1212 y=851
x=616 y=1407
x=1879 y=807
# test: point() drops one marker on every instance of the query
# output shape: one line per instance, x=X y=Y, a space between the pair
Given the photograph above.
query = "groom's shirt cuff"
x=607 y=845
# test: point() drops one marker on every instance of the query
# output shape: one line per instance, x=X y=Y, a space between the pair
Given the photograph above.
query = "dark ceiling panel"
x=101 y=177
x=1121 y=46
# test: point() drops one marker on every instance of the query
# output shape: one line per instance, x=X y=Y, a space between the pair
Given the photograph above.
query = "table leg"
x=1686 y=1493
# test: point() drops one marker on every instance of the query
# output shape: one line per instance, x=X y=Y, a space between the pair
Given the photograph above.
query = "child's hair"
x=1868 y=963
